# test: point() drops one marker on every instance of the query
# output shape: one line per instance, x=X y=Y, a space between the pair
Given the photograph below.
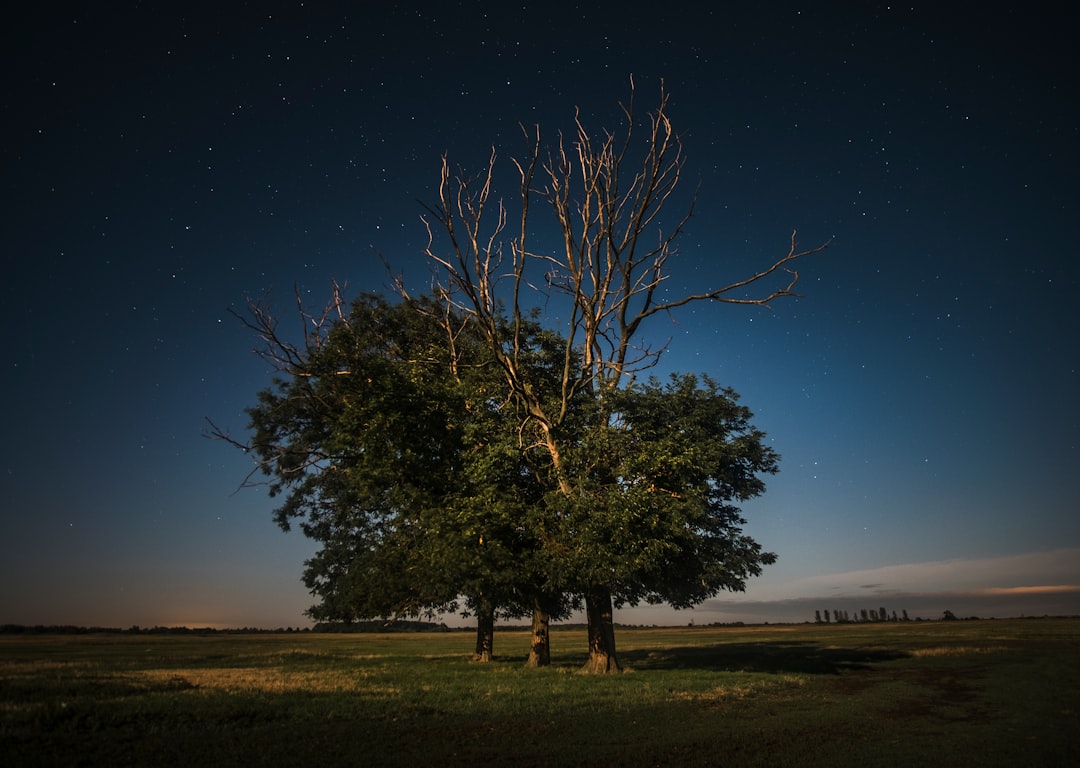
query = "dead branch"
x=274 y=348
x=609 y=205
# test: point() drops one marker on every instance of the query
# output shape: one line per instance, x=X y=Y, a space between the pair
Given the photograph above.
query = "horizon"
x=513 y=625
x=897 y=588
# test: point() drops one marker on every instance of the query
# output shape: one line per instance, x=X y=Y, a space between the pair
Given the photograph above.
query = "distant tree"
x=948 y=616
x=883 y=614
x=826 y=614
x=817 y=617
x=905 y=616
x=865 y=615
x=604 y=274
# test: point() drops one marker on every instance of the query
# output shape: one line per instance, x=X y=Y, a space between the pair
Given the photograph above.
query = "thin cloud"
x=1026 y=570
x=1058 y=589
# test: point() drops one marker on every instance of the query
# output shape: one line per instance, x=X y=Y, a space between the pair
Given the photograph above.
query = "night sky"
x=162 y=167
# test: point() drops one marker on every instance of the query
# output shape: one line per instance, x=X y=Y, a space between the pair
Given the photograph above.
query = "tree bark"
x=485 y=631
x=540 y=651
x=602 y=657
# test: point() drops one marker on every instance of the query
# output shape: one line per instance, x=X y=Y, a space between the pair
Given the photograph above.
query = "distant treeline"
x=381 y=626
x=70 y=629
x=839 y=616
x=372 y=627
x=356 y=626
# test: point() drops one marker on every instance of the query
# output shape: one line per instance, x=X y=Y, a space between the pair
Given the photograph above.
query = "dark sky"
x=161 y=167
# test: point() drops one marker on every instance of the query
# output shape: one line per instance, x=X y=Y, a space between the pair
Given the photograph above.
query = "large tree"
x=599 y=260
x=456 y=446
x=387 y=434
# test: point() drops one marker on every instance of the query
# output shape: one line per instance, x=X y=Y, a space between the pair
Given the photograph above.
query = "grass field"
x=960 y=693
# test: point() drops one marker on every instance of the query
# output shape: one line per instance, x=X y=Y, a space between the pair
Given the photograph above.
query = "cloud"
x=1026 y=570
x=1059 y=589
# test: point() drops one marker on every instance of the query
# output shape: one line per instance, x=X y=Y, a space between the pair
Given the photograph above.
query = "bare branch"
x=720 y=294
x=214 y=432
x=274 y=348
x=609 y=204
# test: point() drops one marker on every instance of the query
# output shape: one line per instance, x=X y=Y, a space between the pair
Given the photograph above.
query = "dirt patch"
x=951 y=696
x=928 y=694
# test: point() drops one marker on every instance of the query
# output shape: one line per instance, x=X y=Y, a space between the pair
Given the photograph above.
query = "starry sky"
x=164 y=163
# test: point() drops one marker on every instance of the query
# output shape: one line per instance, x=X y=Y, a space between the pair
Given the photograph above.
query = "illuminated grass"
x=957 y=650
x=943 y=693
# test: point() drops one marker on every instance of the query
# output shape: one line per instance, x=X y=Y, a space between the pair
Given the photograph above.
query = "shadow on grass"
x=780 y=656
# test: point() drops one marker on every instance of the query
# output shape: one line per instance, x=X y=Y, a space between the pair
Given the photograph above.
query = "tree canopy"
x=386 y=436
x=657 y=508
x=397 y=452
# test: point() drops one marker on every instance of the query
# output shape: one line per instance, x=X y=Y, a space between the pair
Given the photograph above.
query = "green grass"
x=970 y=693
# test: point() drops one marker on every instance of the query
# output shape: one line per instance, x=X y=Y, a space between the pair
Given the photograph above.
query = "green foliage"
x=653 y=518
x=390 y=453
x=392 y=447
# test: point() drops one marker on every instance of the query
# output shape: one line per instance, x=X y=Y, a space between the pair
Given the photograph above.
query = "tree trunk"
x=485 y=630
x=602 y=657
x=540 y=652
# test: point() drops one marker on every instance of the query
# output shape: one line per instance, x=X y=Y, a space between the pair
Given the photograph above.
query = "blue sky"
x=162 y=167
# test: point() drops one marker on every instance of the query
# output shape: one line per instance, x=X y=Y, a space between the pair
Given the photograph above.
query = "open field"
x=960 y=693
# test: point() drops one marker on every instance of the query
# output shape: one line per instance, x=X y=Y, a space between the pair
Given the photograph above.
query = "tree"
x=385 y=434
x=604 y=273
x=676 y=456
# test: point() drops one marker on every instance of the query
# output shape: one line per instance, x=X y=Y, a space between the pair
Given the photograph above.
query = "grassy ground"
x=964 y=693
